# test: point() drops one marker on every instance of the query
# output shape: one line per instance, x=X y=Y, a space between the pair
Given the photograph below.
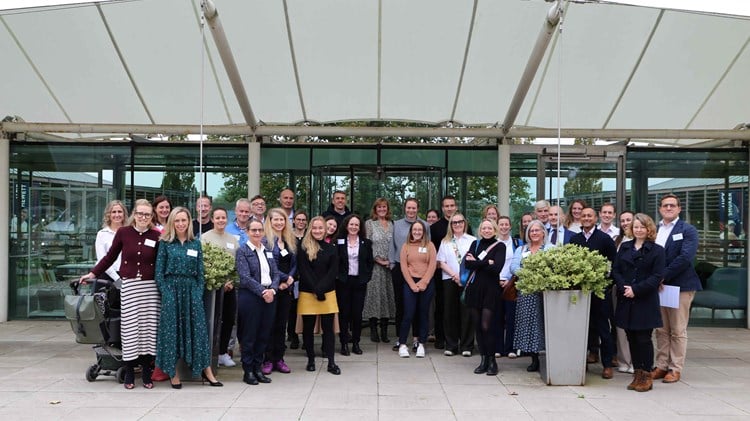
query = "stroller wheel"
x=92 y=373
x=120 y=375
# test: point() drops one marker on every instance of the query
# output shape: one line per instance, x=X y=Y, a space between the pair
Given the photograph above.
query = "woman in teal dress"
x=183 y=331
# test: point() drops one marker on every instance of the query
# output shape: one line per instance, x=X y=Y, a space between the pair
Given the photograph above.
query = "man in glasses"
x=258 y=208
x=680 y=242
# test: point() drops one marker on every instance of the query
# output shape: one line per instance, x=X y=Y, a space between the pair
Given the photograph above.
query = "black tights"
x=641 y=349
x=486 y=335
x=308 y=326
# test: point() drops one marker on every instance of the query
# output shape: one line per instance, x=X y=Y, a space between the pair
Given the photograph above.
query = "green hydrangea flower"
x=218 y=265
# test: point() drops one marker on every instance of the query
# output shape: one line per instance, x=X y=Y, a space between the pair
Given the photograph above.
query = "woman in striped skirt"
x=136 y=245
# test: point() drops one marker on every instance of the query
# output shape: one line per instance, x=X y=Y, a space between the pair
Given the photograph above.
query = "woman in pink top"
x=418 y=263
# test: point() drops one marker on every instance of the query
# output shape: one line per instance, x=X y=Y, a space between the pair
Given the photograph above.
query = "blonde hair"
x=449 y=235
x=492 y=224
x=108 y=219
x=647 y=222
x=538 y=223
x=140 y=202
x=309 y=244
x=286 y=233
x=374 y=213
x=170 y=234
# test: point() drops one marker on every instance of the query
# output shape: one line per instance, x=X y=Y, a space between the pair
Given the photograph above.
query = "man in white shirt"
x=607 y=214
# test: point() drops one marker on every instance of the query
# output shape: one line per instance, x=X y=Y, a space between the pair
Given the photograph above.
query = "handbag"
x=510 y=292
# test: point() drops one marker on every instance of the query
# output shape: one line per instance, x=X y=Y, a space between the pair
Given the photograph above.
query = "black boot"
x=384 y=331
x=356 y=349
x=482 y=367
x=374 y=330
x=492 y=367
x=249 y=378
x=344 y=349
x=534 y=366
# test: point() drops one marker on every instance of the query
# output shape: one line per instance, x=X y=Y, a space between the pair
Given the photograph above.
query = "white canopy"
x=434 y=61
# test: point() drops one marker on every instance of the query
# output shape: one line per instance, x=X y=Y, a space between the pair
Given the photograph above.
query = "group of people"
x=431 y=276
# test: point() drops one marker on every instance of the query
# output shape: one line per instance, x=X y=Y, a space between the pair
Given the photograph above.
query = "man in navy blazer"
x=601 y=309
x=680 y=242
x=563 y=235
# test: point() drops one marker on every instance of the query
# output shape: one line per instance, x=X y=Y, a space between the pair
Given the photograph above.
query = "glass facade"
x=59 y=191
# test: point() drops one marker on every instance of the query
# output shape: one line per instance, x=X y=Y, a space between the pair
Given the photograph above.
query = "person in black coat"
x=317 y=266
x=355 y=270
x=486 y=258
x=637 y=271
x=601 y=309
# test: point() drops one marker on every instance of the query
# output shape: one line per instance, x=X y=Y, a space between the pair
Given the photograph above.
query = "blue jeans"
x=413 y=301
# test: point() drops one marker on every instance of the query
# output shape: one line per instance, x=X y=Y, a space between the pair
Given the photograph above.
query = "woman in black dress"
x=486 y=258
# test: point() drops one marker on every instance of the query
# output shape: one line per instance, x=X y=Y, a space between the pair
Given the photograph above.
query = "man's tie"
x=554 y=235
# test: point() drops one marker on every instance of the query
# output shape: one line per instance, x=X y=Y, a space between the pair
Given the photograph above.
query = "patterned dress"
x=379 y=301
x=529 y=332
x=183 y=331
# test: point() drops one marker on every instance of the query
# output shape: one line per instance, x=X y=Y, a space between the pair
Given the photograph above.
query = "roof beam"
x=280 y=130
x=230 y=65
x=532 y=65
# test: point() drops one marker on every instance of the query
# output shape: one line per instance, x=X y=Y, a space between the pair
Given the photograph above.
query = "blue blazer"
x=642 y=270
x=365 y=259
x=248 y=267
x=680 y=250
x=563 y=233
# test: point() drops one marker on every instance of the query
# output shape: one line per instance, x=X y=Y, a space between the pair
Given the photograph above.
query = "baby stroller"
x=95 y=319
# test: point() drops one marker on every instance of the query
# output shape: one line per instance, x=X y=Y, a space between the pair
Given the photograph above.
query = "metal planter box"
x=566 y=325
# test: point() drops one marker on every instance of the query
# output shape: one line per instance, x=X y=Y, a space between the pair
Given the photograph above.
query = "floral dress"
x=379 y=301
x=183 y=332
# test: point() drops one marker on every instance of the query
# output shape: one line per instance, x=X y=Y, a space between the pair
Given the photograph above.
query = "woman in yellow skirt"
x=317 y=266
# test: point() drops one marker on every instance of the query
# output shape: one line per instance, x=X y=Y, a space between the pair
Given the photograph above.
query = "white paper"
x=670 y=296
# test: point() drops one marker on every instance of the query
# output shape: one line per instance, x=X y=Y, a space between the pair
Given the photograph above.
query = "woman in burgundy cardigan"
x=140 y=299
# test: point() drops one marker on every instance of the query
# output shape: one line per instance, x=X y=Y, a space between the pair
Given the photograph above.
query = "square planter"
x=566 y=325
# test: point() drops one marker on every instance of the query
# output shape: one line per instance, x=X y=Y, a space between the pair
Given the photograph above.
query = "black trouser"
x=350 y=296
x=291 y=324
x=255 y=318
x=599 y=323
x=228 y=315
x=397 y=278
x=439 y=306
x=641 y=348
x=276 y=345
x=308 y=328
x=459 y=329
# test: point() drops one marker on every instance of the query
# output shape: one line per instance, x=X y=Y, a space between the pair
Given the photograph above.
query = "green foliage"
x=564 y=267
x=583 y=185
x=219 y=266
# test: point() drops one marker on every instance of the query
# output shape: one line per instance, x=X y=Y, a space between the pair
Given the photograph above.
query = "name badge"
x=284 y=252
x=677 y=237
x=192 y=253
x=340 y=241
x=482 y=255
x=423 y=249
x=269 y=255
x=149 y=243
x=230 y=246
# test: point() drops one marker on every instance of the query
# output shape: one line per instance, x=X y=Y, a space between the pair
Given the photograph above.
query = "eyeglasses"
x=457 y=222
x=143 y=215
x=259 y=204
x=255 y=229
x=300 y=219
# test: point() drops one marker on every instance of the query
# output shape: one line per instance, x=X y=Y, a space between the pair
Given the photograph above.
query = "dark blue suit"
x=601 y=309
x=671 y=340
x=254 y=315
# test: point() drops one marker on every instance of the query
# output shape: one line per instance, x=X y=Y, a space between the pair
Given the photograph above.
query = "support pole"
x=503 y=179
x=225 y=52
x=253 y=169
x=4 y=233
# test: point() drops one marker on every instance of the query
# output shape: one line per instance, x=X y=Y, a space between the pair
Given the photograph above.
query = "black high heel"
x=146 y=373
x=175 y=385
x=214 y=384
x=129 y=380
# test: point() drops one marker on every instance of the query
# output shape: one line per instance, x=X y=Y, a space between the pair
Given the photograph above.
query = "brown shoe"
x=592 y=358
x=672 y=377
x=607 y=373
x=658 y=373
x=646 y=383
x=636 y=378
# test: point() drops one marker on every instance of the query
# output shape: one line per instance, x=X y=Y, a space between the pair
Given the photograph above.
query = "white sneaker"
x=226 y=360
x=498 y=355
x=512 y=355
x=420 y=351
x=448 y=353
x=466 y=353
x=403 y=351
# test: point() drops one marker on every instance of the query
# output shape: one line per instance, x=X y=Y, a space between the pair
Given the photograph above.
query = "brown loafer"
x=592 y=358
x=672 y=377
x=607 y=373
x=658 y=373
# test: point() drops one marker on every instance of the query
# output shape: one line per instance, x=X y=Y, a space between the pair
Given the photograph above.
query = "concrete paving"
x=42 y=377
